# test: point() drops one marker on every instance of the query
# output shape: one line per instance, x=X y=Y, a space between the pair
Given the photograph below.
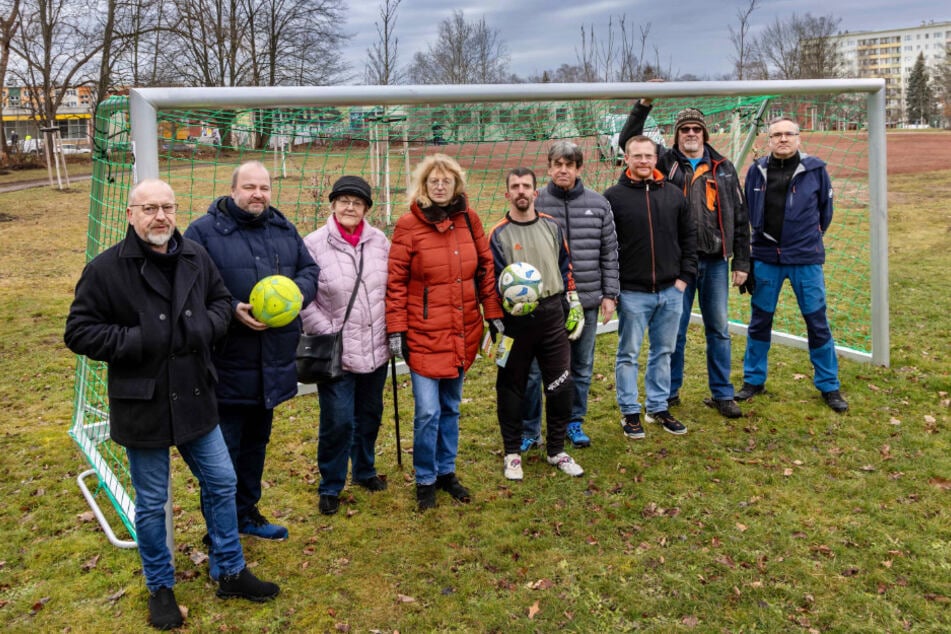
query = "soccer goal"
x=307 y=137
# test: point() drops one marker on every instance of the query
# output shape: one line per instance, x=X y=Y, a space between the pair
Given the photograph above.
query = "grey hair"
x=565 y=150
x=780 y=119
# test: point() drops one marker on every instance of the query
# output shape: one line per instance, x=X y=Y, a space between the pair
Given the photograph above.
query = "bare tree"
x=490 y=54
x=617 y=55
x=464 y=53
x=286 y=37
x=819 y=56
x=208 y=42
x=745 y=62
x=9 y=23
x=57 y=44
x=382 y=68
x=801 y=47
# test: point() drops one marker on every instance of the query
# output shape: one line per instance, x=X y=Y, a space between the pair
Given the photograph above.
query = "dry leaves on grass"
x=533 y=610
x=941 y=483
x=90 y=564
x=541 y=584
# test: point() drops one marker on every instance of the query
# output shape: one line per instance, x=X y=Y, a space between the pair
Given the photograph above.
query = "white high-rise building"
x=891 y=54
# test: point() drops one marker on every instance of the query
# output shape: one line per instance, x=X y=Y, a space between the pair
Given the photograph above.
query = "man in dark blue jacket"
x=249 y=239
x=152 y=307
x=789 y=196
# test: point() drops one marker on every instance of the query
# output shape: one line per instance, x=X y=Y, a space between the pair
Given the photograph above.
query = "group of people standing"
x=190 y=366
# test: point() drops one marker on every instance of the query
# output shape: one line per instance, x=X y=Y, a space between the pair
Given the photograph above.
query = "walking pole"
x=396 y=413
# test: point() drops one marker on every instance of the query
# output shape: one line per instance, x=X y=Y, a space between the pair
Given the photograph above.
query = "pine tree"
x=919 y=100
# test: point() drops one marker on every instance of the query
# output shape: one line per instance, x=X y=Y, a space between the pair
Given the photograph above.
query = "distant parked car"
x=72 y=148
x=180 y=146
x=609 y=128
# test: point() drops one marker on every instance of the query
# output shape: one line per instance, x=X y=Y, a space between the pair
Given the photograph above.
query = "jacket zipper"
x=650 y=231
x=713 y=172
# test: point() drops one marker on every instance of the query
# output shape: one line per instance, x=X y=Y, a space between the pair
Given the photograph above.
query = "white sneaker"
x=513 y=466
x=566 y=463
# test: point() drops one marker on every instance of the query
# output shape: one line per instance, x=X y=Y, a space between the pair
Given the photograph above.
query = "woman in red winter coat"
x=440 y=272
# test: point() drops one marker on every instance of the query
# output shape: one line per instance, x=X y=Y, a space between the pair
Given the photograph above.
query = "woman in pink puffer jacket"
x=351 y=408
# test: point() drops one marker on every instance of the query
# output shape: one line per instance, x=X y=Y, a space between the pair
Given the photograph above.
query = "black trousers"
x=540 y=335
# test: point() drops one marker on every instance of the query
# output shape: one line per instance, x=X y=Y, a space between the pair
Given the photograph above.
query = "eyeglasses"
x=356 y=203
x=640 y=158
x=780 y=135
x=441 y=182
x=150 y=209
x=691 y=129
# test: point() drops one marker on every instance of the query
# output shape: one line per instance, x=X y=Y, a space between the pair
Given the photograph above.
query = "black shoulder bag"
x=320 y=357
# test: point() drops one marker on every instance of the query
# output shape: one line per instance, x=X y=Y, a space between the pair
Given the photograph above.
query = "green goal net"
x=307 y=147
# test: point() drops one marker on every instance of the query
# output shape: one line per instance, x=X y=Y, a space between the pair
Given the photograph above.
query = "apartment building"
x=891 y=54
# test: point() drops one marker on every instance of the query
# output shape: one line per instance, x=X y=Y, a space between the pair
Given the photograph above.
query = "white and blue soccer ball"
x=520 y=286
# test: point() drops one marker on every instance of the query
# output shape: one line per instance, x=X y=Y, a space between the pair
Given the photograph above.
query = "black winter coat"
x=657 y=240
x=724 y=232
x=156 y=338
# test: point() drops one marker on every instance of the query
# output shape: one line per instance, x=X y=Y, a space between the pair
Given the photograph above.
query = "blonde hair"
x=420 y=191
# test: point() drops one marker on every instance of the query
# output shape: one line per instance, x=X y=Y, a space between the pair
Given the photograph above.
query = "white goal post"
x=145 y=103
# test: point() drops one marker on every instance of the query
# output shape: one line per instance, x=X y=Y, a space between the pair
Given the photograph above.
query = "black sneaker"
x=631 y=426
x=425 y=497
x=450 y=483
x=727 y=407
x=673 y=400
x=668 y=422
x=373 y=484
x=834 y=400
x=748 y=391
x=246 y=586
x=163 y=610
x=328 y=504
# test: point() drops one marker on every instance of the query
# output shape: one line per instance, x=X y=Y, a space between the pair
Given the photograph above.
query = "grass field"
x=789 y=519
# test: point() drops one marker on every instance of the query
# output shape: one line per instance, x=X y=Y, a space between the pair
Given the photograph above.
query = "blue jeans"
x=435 y=426
x=350 y=412
x=208 y=459
x=246 y=430
x=582 y=367
x=809 y=286
x=712 y=288
x=658 y=314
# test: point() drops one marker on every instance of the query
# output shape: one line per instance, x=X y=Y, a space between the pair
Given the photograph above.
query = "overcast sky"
x=691 y=35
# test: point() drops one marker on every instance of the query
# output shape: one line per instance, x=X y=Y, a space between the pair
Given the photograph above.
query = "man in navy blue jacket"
x=789 y=196
x=249 y=239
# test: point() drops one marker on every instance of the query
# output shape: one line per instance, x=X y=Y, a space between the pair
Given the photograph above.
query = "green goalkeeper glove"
x=575 y=322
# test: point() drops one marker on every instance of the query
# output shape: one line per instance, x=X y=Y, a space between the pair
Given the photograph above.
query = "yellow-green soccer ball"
x=276 y=300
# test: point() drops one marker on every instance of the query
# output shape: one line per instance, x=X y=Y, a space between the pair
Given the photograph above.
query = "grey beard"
x=159 y=239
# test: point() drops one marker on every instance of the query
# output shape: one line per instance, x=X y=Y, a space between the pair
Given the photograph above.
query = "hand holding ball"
x=275 y=301
x=520 y=286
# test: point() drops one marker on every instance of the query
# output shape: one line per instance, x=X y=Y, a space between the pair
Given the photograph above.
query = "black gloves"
x=750 y=284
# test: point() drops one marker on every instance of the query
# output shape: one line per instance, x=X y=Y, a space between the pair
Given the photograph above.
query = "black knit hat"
x=352 y=185
x=691 y=115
